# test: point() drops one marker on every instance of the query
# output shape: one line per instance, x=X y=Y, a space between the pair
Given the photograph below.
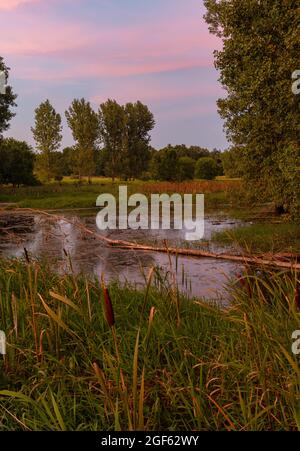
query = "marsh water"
x=53 y=239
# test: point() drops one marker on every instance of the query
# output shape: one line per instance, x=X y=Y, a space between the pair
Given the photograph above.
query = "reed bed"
x=82 y=355
x=192 y=187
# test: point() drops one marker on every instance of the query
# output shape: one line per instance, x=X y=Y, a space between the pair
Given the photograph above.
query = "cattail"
x=109 y=312
x=245 y=284
x=297 y=295
x=151 y=316
x=26 y=255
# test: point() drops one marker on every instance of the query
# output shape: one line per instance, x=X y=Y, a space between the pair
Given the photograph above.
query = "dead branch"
x=259 y=260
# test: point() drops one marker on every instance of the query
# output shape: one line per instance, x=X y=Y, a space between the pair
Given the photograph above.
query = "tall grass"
x=74 y=195
x=156 y=364
x=270 y=237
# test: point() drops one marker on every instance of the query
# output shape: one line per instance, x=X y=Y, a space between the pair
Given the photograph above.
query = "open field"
x=162 y=363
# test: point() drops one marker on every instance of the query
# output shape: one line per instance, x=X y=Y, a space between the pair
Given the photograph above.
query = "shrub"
x=206 y=168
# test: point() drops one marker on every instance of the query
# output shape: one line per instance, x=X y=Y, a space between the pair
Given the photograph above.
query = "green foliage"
x=164 y=165
x=7 y=102
x=231 y=163
x=206 y=168
x=47 y=135
x=177 y=163
x=260 y=53
x=194 y=152
x=139 y=123
x=113 y=133
x=17 y=162
x=83 y=122
x=186 y=168
x=125 y=136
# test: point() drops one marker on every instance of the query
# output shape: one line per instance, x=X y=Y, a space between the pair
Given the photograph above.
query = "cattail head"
x=244 y=284
x=297 y=295
x=151 y=316
x=26 y=255
x=109 y=311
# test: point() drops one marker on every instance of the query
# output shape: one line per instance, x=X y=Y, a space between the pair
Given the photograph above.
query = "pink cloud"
x=156 y=91
x=77 y=50
x=12 y=4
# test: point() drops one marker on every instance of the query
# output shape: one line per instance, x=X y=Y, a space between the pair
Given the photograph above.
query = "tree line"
x=114 y=142
x=115 y=137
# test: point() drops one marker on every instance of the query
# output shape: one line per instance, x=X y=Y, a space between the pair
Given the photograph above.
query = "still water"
x=45 y=239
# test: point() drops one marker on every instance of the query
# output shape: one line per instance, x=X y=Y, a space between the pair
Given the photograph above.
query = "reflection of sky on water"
x=196 y=276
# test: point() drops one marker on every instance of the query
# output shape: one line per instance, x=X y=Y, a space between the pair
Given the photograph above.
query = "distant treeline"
x=21 y=165
x=112 y=142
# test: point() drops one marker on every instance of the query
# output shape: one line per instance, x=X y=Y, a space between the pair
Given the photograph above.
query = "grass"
x=70 y=194
x=163 y=362
x=266 y=237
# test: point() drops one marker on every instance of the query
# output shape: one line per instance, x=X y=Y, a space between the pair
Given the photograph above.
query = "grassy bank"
x=266 y=237
x=167 y=363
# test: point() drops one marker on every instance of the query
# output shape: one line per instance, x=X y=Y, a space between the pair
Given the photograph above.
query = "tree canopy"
x=7 y=102
x=47 y=135
x=83 y=122
x=260 y=52
x=17 y=162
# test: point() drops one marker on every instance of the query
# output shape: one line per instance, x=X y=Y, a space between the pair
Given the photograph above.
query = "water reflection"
x=198 y=277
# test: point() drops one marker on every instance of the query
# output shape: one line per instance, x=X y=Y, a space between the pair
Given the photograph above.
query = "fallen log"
x=271 y=261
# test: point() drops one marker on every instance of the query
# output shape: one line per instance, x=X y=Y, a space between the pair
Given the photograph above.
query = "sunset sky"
x=156 y=51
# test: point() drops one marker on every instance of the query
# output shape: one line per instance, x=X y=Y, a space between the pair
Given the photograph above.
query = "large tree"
x=47 y=135
x=261 y=48
x=84 y=124
x=139 y=122
x=17 y=162
x=7 y=101
x=113 y=130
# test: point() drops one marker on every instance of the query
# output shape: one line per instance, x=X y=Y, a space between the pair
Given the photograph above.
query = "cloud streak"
x=159 y=52
x=77 y=49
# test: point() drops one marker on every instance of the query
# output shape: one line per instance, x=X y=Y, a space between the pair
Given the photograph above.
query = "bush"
x=186 y=168
x=206 y=168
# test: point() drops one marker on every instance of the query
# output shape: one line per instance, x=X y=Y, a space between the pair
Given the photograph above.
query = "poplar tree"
x=47 y=135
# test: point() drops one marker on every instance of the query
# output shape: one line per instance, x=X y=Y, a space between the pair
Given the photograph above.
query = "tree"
x=47 y=135
x=186 y=168
x=17 y=162
x=164 y=165
x=67 y=160
x=231 y=163
x=113 y=131
x=84 y=124
x=260 y=53
x=7 y=102
x=206 y=168
x=139 y=122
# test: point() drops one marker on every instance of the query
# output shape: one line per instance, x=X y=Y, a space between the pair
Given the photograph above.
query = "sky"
x=157 y=51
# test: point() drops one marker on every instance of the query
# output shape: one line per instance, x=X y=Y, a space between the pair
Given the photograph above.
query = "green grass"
x=266 y=237
x=168 y=363
x=55 y=196
x=70 y=194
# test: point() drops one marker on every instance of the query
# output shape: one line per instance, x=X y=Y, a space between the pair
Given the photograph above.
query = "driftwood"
x=268 y=260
